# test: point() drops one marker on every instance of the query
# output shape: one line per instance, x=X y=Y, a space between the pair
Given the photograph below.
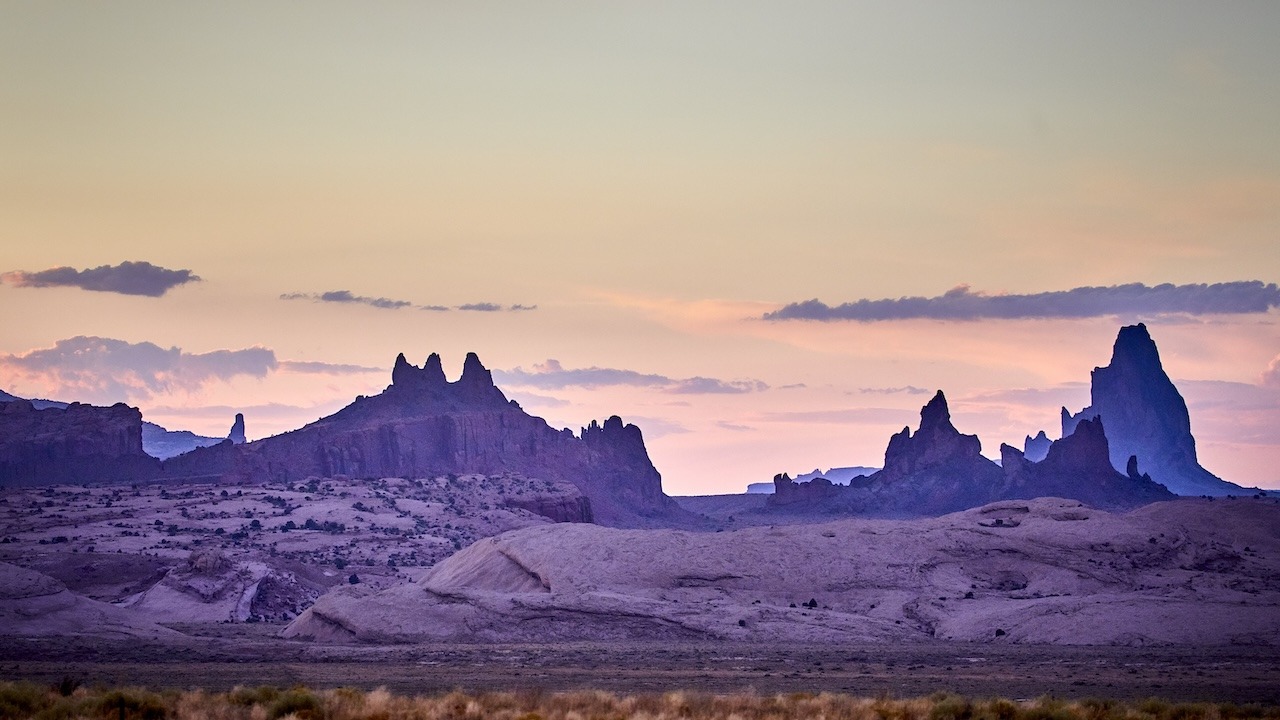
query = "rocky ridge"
x=938 y=469
x=422 y=425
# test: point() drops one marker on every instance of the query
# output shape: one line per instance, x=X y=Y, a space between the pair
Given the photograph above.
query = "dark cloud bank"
x=551 y=375
x=127 y=278
x=1134 y=298
x=346 y=296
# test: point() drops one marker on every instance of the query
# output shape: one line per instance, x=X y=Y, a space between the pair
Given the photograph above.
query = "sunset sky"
x=624 y=208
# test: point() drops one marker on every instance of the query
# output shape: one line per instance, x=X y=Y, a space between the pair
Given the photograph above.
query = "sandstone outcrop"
x=1079 y=467
x=236 y=436
x=1147 y=417
x=1036 y=448
x=1038 y=571
x=34 y=604
x=75 y=444
x=422 y=425
x=938 y=470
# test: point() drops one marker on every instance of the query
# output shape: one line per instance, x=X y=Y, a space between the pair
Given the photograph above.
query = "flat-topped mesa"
x=1146 y=416
x=76 y=444
x=937 y=442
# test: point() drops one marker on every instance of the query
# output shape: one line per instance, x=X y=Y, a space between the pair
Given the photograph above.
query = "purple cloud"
x=551 y=375
x=961 y=303
x=127 y=278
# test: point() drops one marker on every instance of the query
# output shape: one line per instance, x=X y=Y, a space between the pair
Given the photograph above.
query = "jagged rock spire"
x=1146 y=416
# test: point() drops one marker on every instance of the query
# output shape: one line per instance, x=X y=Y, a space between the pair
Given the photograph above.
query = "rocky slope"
x=205 y=553
x=79 y=443
x=1147 y=417
x=34 y=604
x=1039 y=571
x=422 y=426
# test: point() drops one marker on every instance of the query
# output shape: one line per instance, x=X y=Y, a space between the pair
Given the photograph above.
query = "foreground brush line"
x=67 y=700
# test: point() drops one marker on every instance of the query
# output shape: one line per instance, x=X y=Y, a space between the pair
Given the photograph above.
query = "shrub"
x=131 y=704
x=297 y=701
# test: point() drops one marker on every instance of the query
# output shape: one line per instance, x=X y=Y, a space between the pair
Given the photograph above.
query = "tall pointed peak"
x=402 y=371
x=433 y=370
x=935 y=413
x=474 y=373
x=1134 y=346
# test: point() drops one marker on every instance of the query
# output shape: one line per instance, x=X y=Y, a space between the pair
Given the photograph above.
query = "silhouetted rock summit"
x=939 y=470
x=1146 y=417
x=936 y=443
x=1078 y=466
x=236 y=436
x=1036 y=448
x=422 y=425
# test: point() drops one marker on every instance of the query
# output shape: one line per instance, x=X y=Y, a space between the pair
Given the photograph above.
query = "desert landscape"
x=853 y=359
x=576 y=576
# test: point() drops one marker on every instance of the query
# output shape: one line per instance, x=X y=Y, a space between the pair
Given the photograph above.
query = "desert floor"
x=220 y=657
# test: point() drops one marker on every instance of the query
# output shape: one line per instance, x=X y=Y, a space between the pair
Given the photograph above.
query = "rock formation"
x=34 y=604
x=236 y=436
x=936 y=470
x=788 y=492
x=1037 y=571
x=1079 y=467
x=422 y=426
x=1036 y=448
x=939 y=470
x=78 y=444
x=1147 y=417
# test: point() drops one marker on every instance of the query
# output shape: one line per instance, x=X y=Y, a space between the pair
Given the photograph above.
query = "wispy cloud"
x=961 y=303
x=855 y=416
x=348 y=297
x=127 y=278
x=904 y=389
x=323 y=368
x=106 y=370
x=551 y=375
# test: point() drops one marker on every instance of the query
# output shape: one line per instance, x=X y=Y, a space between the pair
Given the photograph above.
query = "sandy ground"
x=222 y=656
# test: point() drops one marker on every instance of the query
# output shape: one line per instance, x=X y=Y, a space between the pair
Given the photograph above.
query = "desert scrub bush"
x=298 y=701
x=21 y=699
x=131 y=704
x=947 y=706
x=261 y=695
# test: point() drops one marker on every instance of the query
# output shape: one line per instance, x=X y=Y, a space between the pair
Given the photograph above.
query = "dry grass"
x=25 y=700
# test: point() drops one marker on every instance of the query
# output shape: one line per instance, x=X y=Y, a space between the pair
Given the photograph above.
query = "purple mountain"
x=422 y=425
x=1146 y=417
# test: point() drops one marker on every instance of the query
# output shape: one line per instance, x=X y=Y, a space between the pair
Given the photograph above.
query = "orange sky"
x=653 y=178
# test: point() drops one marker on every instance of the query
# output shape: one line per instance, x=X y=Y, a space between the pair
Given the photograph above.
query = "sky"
x=765 y=233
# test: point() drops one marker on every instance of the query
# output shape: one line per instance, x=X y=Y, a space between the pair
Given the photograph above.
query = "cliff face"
x=1147 y=417
x=78 y=444
x=423 y=425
